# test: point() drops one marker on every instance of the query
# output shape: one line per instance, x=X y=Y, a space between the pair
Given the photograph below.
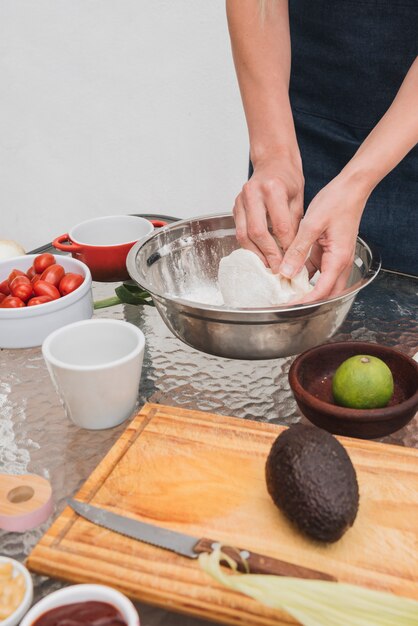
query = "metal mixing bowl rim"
x=371 y=274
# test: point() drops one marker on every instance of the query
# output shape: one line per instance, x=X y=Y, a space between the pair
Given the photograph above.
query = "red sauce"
x=82 y=614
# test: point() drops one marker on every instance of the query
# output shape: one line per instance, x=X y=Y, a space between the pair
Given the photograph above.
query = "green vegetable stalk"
x=127 y=293
x=316 y=602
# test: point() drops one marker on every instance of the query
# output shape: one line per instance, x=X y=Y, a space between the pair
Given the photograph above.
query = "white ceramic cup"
x=83 y=593
x=95 y=366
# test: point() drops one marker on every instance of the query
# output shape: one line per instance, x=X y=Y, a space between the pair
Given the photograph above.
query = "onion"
x=9 y=249
x=316 y=602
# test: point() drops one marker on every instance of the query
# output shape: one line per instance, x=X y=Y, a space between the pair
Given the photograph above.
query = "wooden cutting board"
x=203 y=474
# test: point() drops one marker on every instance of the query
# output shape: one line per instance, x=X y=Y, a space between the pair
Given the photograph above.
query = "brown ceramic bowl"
x=310 y=378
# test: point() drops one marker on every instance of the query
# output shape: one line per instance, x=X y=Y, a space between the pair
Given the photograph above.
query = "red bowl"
x=310 y=379
x=103 y=243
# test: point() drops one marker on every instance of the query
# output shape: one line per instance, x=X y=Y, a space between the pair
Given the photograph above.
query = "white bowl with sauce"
x=14 y=618
x=83 y=593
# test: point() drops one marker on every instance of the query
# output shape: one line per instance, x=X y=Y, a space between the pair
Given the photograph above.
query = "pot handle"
x=158 y=223
x=59 y=245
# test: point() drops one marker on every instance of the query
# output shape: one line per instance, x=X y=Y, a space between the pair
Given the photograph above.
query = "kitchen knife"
x=189 y=546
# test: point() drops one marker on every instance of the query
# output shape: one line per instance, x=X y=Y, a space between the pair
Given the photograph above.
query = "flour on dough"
x=244 y=281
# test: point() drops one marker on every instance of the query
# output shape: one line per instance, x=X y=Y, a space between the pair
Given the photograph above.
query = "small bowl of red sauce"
x=84 y=605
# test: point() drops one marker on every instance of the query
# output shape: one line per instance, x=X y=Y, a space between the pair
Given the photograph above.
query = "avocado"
x=311 y=479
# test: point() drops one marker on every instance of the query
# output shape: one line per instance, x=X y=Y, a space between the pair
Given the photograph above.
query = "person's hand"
x=326 y=238
x=273 y=194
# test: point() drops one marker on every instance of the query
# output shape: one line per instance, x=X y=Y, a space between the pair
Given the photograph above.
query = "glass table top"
x=36 y=436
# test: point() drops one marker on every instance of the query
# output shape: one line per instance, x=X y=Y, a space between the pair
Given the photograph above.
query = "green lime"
x=362 y=382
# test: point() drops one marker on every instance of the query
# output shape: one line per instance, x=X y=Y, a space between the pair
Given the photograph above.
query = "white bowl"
x=83 y=593
x=29 y=326
x=18 y=568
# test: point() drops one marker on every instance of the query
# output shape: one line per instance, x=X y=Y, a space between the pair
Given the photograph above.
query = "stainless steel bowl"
x=183 y=255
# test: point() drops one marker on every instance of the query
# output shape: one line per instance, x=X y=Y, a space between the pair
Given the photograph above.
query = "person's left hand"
x=326 y=238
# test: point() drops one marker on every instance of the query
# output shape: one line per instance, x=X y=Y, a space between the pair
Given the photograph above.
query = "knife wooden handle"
x=259 y=563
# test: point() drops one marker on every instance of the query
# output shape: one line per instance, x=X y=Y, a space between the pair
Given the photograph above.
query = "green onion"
x=127 y=293
x=316 y=602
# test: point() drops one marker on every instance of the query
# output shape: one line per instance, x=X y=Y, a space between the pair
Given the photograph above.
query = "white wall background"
x=115 y=106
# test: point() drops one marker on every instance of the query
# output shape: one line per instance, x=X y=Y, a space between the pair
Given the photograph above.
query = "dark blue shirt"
x=349 y=58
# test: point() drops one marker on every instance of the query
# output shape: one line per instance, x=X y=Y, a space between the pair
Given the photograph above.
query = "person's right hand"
x=273 y=194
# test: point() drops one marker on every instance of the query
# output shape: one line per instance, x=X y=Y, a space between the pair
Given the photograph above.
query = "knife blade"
x=189 y=546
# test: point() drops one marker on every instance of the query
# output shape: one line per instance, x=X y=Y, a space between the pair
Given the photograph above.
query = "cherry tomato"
x=21 y=290
x=31 y=272
x=2 y=297
x=13 y=274
x=4 y=287
x=43 y=261
x=70 y=282
x=18 y=281
x=11 y=302
x=35 y=278
x=53 y=274
x=42 y=288
x=38 y=300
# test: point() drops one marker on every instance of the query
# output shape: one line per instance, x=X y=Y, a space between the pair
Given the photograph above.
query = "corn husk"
x=316 y=602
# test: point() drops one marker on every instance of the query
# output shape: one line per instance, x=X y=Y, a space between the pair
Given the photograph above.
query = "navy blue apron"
x=349 y=58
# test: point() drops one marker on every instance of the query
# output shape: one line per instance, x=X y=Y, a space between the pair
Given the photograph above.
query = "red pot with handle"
x=103 y=243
